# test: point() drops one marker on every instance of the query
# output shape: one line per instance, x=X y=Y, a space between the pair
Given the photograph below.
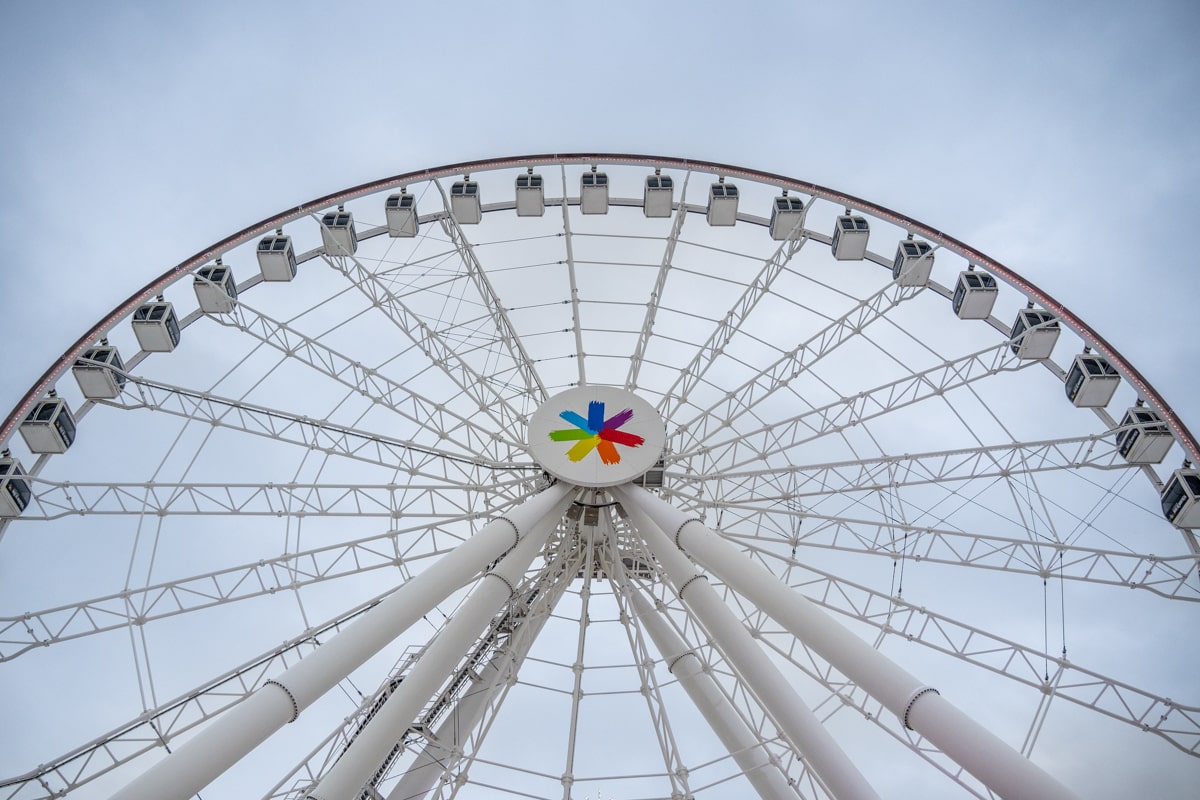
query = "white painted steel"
x=831 y=764
x=372 y=745
x=195 y=764
x=999 y=766
x=592 y=470
x=442 y=752
x=739 y=740
x=751 y=445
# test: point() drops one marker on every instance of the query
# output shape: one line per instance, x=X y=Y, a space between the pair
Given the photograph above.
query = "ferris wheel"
x=586 y=475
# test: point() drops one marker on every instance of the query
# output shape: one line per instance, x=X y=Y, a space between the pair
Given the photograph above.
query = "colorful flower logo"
x=597 y=433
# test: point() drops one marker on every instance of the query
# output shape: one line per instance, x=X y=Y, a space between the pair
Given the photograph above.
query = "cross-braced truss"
x=350 y=445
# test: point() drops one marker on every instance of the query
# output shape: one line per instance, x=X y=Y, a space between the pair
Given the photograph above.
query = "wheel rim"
x=851 y=433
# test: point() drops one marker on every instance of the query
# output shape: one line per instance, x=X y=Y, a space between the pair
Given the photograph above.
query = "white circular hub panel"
x=596 y=436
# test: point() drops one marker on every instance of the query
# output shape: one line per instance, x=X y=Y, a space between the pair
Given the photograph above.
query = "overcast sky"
x=1061 y=143
x=1060 y=139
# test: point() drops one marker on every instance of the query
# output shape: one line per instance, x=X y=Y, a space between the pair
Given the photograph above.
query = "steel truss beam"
x=691 y=375
x=288 y=571
x=1178 y=724
x=569 y=245
x=660 y=281
x=920 y=707
x=753 y=446
x=403 y=400
x=444 y=354
x=320 y=435
x=1173 y=577
x=1096 y=451
x=475 y=682
x=779 y=374
x=159 y=726
x=284 y=697
x=532 y=387
x=57 y=499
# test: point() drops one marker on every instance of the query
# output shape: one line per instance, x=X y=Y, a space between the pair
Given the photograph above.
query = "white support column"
x=445 y=749
x=239 y=730
x=1000 y=767
x=683 y=662
x=799 y=724
x=367 y=751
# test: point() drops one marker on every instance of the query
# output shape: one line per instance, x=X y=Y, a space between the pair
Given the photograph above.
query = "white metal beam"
x=751 y=447
x=652 y=306
x=919 y=706
x=1175 y=722
x=443 y=752
x=533 y=389
x=393 y=549
x=367 y=751
x=830 y=763
x=684 y=663
x=220 y=745
x=1173 y=577
x=401 y=398
x=57 y=499
x=778 y=374
x=313 y=434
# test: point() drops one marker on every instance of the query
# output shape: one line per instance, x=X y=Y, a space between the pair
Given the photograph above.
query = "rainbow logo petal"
x=597 y=433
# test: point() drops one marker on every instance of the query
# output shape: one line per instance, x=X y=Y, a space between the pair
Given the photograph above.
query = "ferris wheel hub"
x=596 y=436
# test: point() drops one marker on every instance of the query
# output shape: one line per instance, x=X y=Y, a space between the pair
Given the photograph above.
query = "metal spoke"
x=714 y=418
x=660 y=281
x=889 y=486
x=1167 y=576
x=321 y=435
x=394 y=549
x=58 y=499
x=1177 y=723
x=400 y=398
x=157 y=727
x=532 y=388
x=484 y=392
x=848 y=412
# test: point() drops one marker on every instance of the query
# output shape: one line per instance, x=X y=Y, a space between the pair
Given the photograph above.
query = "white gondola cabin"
x=850 y=235
x=531 y=195
x=658 y=196
x=1181 y=499
x=722 y=204
x=99 y=372
x=975 y=295
x=593 y=193
x=653 y=477
x=1034 y=333
x=913 y=263
x=401 y=211
x=787 y=218
x=1091 y=381
x=156 y=326
x=15 y=493
x=49 y=427
x=276 y=258
x=1144 y=436
x=216 y=290
x=338 y=234
x=464 y=202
